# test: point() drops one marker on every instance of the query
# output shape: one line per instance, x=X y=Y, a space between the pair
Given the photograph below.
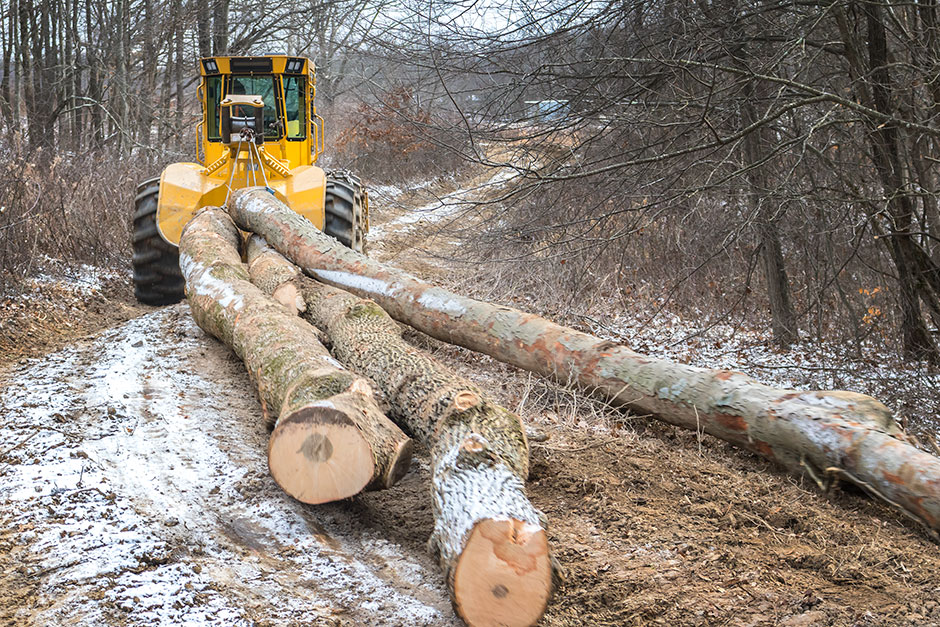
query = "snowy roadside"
x=449 y=205
x=135 y=491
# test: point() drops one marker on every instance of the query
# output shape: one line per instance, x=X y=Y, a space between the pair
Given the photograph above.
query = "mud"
x=134 y=491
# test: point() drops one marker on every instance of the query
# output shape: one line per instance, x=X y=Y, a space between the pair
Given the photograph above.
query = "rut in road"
x=151 y=500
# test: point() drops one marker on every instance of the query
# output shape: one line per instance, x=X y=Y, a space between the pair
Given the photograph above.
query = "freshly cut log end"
x=504 y=575
x=270 y=273
x=318 y=455
x=490 y=540
x=289 y=296
x=319 y=458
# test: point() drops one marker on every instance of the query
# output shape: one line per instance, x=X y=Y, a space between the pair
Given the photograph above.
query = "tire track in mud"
x=134 y=490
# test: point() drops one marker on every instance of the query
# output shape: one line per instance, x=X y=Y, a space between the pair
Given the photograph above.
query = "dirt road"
x=139 y=494
x=134 y=491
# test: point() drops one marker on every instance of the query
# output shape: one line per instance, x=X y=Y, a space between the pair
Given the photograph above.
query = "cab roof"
x=266 y=64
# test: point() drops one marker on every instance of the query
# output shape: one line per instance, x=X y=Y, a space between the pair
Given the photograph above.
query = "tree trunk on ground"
x=490 y=541
x=841 y=434
x=330 y=439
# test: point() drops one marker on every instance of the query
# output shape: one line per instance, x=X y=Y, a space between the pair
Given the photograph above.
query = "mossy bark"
x=304 y=392
x=479 y=453
x=823 y=432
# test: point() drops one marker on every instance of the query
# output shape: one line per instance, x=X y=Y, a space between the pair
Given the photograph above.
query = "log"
x=488 y=536
x=330 y=439
x=825 y=433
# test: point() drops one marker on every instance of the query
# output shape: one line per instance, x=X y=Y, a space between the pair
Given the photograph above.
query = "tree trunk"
x=761 y=201
x=878 y=91
x=7 y=45
x=330 y=440
x=220 y=27
x=491 y=544
x=204 y=34
x=834 y=433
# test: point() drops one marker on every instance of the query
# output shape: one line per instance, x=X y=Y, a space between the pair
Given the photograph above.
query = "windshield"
x=259 y=86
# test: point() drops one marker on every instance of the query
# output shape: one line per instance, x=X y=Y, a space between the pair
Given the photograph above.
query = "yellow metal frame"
x=289 y=165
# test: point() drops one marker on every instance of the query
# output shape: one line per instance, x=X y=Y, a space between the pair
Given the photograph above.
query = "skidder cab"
x=259 y=127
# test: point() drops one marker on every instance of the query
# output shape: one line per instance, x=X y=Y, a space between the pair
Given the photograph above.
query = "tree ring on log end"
x=503 y=575
x=317 y=455
x=317 y=448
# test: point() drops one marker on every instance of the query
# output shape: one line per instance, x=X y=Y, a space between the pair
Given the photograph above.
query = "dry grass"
x=73 y=209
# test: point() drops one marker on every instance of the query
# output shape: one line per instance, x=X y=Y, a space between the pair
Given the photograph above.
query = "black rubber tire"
x=346 y=210
x=157 y=277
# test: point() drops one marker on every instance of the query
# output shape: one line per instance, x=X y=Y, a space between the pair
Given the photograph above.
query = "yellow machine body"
x=283 y=159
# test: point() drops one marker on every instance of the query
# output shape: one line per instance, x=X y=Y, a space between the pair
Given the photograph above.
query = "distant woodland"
x=769 y=161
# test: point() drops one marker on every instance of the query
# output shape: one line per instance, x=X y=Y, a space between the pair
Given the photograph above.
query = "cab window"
x=295 y=105
x=259 y=86
x=213 y=97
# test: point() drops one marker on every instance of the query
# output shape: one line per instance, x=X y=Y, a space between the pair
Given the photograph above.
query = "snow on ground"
x=82 y=278
x=868 y=367
x=134 y=490
x=447 y=206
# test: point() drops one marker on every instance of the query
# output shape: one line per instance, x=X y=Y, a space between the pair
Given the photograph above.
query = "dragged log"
x=487 y=534
x=330 y=439
x=825 y=433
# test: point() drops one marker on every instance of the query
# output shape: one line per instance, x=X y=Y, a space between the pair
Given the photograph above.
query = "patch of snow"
x=385 y=192
x=441 y=300
x=81 y=279
x=135 y=480
x=442 y=208
x=355 y=282
x=200 y=281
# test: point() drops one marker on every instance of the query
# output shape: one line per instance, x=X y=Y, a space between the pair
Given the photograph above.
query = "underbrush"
x=71 y=208
x=698 y=257
x=392 y=141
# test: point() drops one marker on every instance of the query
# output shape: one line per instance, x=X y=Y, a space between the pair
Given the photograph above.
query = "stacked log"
x=330 y=439
x=833 y=433
x=488 y=536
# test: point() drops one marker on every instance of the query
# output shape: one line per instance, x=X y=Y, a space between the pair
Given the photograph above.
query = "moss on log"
x=488 y=536
x=330 y=439
x=842 y=434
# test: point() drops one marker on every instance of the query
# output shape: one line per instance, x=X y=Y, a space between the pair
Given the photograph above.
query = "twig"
x=20 y=443
x=577 y=448
x=932 y=441
x=758 y=519
x=812 y=474
x=698 y=431
x=876 y=493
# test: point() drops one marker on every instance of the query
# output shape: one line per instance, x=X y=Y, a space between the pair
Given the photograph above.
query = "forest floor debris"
x=134 y=491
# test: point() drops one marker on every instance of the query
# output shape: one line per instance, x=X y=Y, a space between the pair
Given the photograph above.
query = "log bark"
x=330 y=439
x=825 y=433
x=487 y=535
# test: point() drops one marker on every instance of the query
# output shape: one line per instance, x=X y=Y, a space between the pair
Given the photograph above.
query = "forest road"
x=134 y=490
